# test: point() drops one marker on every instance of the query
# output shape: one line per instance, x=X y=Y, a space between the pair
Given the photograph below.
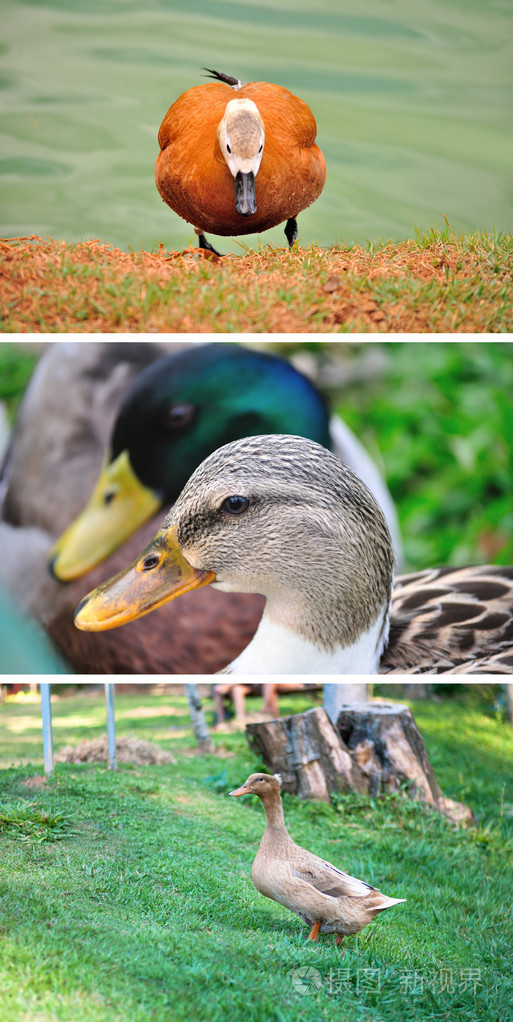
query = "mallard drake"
x=158 y=421
x=281 y=516
x=214 y=141
x=329 y=900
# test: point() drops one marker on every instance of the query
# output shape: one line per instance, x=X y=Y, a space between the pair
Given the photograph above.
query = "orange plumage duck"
x=239 y=159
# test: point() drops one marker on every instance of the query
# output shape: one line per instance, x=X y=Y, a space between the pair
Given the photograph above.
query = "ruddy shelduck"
x=239 y=165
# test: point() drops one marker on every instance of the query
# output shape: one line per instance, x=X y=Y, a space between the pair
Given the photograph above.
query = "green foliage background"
x=438 y=418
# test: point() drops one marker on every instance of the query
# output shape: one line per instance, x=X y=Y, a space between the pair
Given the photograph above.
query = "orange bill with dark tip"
x=159 y=574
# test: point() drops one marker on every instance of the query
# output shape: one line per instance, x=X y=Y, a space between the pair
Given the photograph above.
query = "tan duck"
x=281 y=516
x=329 y=900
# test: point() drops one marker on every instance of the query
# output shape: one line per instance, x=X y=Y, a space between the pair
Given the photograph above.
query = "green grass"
x=438 y=283
x=145 y=908
x=30 y=822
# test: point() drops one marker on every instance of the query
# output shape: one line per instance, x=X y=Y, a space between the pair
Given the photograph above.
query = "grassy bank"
x=134 y=900
x=438 y=283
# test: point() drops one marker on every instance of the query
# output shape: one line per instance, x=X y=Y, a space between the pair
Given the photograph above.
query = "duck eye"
x=109 y=496
x=180 y=415
x=235 y=505
x=261 y=147
x=228 y=148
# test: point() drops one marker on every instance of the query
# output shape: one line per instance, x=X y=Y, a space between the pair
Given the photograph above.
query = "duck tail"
x=219 y=76
x=386 y=902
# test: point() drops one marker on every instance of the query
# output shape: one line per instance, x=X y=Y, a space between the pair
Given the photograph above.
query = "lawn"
x=128 y=895
x=436 y=283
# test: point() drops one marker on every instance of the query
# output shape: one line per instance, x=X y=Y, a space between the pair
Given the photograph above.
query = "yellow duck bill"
x=158 y=575
x=118 y=505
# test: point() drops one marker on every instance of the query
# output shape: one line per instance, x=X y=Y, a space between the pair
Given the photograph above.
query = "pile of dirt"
x=128 y=750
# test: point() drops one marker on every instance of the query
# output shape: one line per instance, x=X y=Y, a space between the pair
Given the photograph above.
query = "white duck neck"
x=276 y=649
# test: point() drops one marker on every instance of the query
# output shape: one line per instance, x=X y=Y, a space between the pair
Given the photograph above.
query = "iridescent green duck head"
x=179 y=410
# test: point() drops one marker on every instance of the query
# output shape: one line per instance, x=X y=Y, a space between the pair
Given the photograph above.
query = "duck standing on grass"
x=329 y=900
x=281 y=516
x=214 y=141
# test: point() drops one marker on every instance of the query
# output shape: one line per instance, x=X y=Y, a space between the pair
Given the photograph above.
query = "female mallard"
x=281 y=516
x=329 y=900
x=170 y=416
x=238 y=159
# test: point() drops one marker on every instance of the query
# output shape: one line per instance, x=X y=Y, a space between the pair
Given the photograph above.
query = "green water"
x=413 y=101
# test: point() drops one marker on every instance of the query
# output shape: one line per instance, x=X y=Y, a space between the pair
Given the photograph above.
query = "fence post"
x=111 y=726
x=46 y=716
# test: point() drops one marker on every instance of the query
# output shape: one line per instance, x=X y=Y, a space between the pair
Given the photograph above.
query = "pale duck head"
x=241 y=137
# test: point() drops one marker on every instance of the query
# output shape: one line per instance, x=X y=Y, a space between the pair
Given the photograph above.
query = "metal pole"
x=111 y=726
x=46 y=716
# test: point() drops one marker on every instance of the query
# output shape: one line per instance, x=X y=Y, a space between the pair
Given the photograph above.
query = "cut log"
x=374 y=748
x=384 y=740
x=307 y=752
x=509 y=700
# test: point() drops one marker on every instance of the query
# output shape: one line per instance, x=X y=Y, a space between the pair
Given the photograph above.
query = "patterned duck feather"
x=451 y=621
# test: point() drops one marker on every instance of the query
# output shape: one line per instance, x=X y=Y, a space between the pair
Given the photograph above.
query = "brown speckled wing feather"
x=451 y=621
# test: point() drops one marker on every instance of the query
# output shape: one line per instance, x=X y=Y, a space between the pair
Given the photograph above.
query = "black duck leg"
x=291 y=230
x=204 y=243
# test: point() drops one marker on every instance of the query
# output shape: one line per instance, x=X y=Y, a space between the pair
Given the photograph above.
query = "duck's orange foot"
x=338 y=940
x=314 y=932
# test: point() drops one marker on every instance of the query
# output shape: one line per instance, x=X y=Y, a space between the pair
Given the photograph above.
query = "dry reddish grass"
x=445 y=285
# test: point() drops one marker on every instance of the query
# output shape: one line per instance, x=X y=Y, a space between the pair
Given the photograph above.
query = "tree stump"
x=309 y=755
x=374 y=748
x=384 y=740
